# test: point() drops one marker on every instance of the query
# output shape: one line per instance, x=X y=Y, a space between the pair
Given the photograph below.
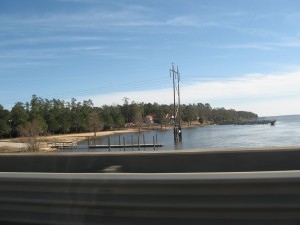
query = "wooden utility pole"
x=177 y=112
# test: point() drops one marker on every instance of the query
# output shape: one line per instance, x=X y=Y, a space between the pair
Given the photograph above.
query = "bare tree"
x=93 y=122
x=31 y=131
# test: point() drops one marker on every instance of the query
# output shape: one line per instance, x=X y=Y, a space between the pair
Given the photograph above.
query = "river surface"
x=286 y=132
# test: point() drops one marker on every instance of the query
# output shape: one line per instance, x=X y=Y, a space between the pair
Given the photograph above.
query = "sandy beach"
x=19 y=144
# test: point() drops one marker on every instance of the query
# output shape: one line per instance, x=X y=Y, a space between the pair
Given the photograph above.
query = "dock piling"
x=133 y=145
x=124 y=143
x=109 y=146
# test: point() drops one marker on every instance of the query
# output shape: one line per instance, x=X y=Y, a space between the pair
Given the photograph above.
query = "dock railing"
x=63 y=144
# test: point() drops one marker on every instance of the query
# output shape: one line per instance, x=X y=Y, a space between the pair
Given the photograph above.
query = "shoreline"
x=76 y=137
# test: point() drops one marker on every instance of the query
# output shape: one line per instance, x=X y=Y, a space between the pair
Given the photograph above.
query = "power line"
x=161 y=82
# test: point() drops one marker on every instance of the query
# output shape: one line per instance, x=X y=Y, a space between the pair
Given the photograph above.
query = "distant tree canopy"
x=59 y=117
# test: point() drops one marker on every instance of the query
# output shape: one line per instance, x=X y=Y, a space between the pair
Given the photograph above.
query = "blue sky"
x=240 y=54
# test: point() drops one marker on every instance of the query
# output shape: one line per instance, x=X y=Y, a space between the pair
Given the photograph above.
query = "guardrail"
x=190 y=198
x=176 y=187
x=227 y=160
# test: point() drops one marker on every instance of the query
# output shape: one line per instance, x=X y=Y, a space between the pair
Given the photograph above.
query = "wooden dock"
x=137 y=145
x=127 y=146
x=248 y=122
x=63 y=144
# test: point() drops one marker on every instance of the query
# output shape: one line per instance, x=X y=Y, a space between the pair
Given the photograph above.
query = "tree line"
x=60 y=117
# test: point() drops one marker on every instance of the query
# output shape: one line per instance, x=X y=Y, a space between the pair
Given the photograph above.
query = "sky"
x=236 y=54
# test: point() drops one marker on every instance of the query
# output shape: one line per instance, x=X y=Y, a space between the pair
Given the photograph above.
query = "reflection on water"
x=286 y=132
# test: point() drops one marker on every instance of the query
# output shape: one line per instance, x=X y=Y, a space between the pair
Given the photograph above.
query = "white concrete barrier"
x=12 y=144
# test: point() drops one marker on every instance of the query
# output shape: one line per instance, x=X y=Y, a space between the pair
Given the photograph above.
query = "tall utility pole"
x=177 y=112
x=10 y=128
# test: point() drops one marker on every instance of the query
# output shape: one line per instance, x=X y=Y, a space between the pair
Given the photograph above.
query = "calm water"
x=286 y=132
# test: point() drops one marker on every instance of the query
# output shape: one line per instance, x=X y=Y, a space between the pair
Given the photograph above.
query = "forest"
x=60 y=117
